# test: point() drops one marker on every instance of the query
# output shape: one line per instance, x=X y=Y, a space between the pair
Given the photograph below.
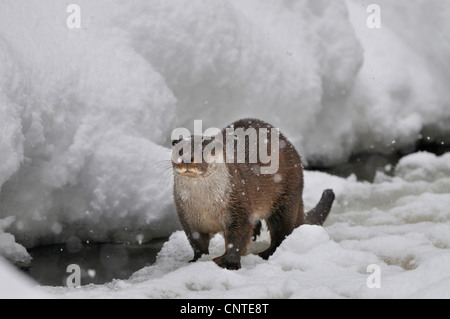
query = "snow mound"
x=82 y=116
x=401 y=225
x=400 y=90
x=417 y=167
x=9 y=248
x=16 y=285
x=277 y=61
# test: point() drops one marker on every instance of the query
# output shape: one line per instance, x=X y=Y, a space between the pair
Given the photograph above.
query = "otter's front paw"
x=228 y=263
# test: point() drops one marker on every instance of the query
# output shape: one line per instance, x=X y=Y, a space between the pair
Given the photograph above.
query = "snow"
x=16 y=285
x=9 y=248
x=86 y=117
x=404 y=74
x=400 y=223
x=82 y=119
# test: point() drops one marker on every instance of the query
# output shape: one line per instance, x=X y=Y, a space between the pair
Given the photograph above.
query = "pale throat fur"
x=204 y=199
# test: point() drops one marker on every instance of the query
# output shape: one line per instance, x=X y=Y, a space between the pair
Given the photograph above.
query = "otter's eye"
x=174 y=142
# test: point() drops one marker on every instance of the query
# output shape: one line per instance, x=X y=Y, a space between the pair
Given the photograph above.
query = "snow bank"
x=86 y=115
x=9 y=248
x=273 y=60
x=16 y=285
x=402 y=87
x=401 y=224
x=81 y=118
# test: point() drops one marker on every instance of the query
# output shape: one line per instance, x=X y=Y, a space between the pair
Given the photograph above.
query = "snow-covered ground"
x=16 y=285
x=86 y=117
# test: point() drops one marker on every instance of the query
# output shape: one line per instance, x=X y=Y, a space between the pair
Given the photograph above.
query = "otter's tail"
x=318 y=214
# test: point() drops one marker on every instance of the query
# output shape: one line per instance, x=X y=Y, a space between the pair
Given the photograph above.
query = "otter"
x=233 y=198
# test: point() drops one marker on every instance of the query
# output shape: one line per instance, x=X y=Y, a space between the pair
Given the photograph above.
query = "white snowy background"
x=86 y=117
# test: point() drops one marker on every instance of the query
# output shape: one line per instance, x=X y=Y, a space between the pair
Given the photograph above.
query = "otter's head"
x=197 y=156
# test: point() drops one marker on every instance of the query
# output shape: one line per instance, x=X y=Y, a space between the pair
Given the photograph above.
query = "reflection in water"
x=99 y=263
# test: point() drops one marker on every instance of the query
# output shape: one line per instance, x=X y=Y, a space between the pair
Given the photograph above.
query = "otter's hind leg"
x=281 y=223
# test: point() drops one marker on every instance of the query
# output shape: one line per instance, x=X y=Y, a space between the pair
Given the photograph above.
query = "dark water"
x=99 y=263
x=365 y=165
